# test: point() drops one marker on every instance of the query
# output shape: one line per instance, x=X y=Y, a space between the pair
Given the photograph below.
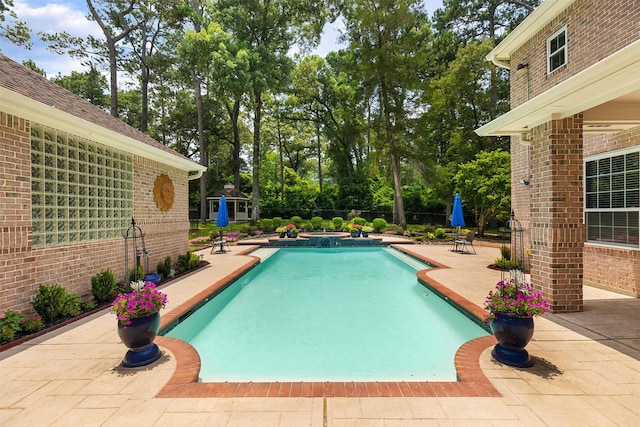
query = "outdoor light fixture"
x=524 y=181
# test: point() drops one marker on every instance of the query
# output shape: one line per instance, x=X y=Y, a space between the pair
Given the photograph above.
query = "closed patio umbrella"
x=223 y=218
x=457 y=219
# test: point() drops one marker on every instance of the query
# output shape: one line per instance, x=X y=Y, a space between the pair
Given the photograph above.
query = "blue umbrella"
x=457 y=220
x=223 y=214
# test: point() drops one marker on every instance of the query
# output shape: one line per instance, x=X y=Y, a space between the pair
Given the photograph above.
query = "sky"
x=70 y=15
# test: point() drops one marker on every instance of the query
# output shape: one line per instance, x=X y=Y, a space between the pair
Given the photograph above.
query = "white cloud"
x=51 y=17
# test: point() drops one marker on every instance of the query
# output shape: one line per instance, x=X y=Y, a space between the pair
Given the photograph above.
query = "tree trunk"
x=202 y=147
x=255 y=186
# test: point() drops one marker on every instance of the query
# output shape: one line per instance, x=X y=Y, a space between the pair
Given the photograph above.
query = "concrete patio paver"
x=587 y=370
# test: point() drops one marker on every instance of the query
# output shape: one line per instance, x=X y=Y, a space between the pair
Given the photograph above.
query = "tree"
x=268 y=29
x=89 y=85
x=30 y=64
x=15 y=31
x=391 y=39
x=485 y=184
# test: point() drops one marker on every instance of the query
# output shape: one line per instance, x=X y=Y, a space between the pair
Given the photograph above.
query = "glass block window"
x=557 y=50
x=612 y=199
x=80 y=190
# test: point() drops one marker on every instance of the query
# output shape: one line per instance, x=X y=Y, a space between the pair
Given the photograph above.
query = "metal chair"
x=468 y=241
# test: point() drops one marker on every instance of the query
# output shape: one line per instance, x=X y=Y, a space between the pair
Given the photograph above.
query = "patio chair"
x=466 y=242
x=221 y=242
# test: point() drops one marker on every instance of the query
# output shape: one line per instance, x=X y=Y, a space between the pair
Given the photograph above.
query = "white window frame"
x=630 y=209
x=561 y=50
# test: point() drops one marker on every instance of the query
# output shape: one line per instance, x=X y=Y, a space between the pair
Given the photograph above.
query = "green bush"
x=358 y=220
x=87 y=305
x=52 y=302
x=32 y=325
x=266 y=225
x=379 y=224
x=278 y=222
x=505 y=252
x=297 y=221
x=337 y=222
x=136 y=274
x=506 y=264
x=187 y=262
x=317 y=222
x=10 y=325
x=164 y=267
x=103 y=286
x=440 y=233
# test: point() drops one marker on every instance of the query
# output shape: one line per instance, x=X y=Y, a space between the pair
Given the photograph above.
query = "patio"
x=587 y=370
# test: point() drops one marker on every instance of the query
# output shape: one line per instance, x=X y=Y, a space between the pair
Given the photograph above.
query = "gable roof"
x=27 y=94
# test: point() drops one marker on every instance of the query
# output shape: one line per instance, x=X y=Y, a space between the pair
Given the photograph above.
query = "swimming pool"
x=346 y=314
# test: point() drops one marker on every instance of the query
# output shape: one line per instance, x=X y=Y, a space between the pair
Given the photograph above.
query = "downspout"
x=499 y=63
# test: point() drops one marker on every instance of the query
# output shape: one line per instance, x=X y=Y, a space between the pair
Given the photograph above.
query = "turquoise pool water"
x=342 y=314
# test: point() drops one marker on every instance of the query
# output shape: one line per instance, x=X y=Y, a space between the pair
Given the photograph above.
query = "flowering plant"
x=143 y=301
x=355 y=227
x=291 y=226
x=515 y=297
x=282 y=229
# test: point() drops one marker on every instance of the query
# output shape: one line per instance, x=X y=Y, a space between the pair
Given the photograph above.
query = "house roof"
x=229 y=192
x=27 y=94
x=607 y=93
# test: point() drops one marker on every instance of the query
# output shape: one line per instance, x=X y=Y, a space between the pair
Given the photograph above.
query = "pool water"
x=341 y=314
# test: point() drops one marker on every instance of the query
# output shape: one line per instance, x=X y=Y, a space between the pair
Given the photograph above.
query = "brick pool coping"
x=471 y=380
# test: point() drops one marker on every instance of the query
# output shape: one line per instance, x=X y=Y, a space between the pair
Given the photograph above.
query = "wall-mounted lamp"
x=524 y=181
x=521 y=69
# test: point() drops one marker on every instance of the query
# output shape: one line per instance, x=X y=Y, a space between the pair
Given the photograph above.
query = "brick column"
x=557 y=229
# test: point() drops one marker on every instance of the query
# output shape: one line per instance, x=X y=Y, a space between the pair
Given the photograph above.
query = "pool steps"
x=264 y=253
x=407 y=259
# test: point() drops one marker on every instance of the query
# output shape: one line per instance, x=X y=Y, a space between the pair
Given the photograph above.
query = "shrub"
x=317 y=222
x=267 y=225
x=103 y=286
x=136 y=274
x=10 y=324
x=506 y=264
x=87 y=305
x=278 y=221
x=52 y=302
x=297 y=221
x=164 y=267
x=358 y=220
x=32 y=325
x=506 y=252
x=440 y=233
x=337 y=222
x=379 y=224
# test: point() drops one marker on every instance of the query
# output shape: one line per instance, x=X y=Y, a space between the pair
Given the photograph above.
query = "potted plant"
x=291 y=230
x=366 y=230
x=355 y=230
x=512 y=305
x=282 y=231
x=138 y=314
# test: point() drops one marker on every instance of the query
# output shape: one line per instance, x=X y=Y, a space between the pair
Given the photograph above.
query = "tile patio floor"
x=587 y=371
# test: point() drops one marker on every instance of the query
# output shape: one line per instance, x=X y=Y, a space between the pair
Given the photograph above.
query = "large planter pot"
x=138 y=337
x=513 y=333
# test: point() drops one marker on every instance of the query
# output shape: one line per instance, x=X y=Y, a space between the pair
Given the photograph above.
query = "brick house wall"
x=24 y=268
x=553 y=201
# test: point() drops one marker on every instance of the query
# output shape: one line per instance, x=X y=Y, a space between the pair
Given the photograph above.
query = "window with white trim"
x=80 y=190
x=557 y=50
x=612 y=199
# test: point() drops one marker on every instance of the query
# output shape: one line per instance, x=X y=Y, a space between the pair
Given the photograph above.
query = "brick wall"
x=551 y=207
x=595 y=30
x=556 y=228
x=23 y=268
